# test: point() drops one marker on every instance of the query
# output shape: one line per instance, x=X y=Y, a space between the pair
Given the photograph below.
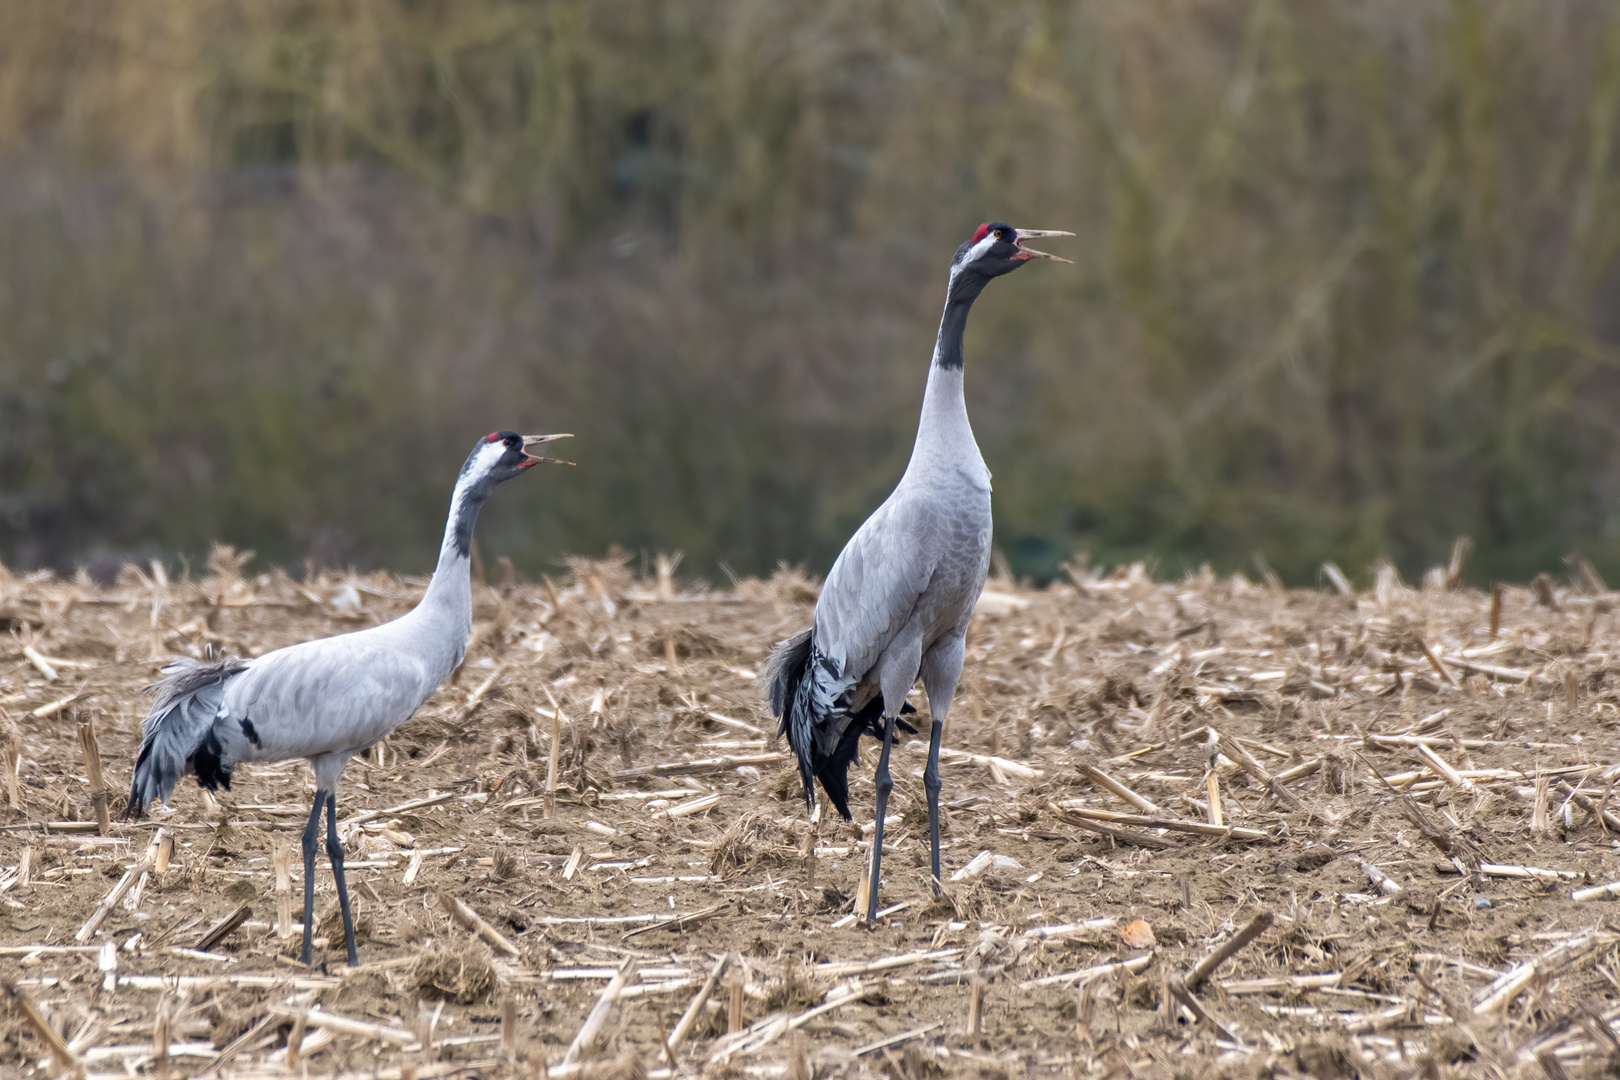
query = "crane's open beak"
x=1029 y=252
x=531 y=441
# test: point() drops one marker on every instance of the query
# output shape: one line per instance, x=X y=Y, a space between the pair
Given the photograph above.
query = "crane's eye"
x=1001 y=234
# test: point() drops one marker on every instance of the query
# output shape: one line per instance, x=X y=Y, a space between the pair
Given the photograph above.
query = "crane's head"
x=501 y=455
x=998 y=249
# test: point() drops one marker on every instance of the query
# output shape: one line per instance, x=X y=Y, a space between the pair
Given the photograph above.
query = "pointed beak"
x=1031 y=253
x=532 y=441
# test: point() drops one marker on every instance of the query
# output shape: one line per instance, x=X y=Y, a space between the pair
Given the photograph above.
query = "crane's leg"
x=311 y=831
x=334 y=852
x=885 y=784
x=940 y=670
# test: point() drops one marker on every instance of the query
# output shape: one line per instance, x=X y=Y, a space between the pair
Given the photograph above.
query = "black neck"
x=964 y=289
x=463 y=516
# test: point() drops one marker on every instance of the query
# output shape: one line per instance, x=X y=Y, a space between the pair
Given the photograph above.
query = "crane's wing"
x=874 y=586
x=324 y=696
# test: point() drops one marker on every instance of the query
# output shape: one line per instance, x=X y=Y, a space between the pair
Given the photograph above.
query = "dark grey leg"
x=310 y=832
x=940 y=670
x=334 y=852
x=931 y=785
x=885 y=784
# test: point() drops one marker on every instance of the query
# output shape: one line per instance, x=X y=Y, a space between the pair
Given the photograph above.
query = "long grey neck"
x=448 y=599
x=944 y=436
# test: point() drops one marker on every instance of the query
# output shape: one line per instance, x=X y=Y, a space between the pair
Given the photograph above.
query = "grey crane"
x=897 y=602
x=329 y=699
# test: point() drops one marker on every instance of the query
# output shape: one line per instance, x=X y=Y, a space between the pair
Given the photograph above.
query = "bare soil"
x=1120 y=673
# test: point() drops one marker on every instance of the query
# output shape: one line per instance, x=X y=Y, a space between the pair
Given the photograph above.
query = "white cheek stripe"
x=974 y=253
x=487 y=457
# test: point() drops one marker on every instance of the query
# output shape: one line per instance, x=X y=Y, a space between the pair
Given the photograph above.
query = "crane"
x=896 y=604
x=329 y=699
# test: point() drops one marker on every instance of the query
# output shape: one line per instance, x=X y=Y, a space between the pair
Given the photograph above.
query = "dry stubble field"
x=1410 y=799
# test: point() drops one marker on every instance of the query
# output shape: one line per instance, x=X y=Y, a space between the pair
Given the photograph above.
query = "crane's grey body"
x=897 y=602
x=324 y=700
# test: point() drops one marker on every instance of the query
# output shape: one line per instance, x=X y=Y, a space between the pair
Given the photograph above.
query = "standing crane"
x=329 y=699
x=897 y=602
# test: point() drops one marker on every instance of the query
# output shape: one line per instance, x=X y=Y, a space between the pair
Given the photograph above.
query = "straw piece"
x=697 y=768
x=1108 y=783
x=1331 y=571
x=896 y=1040
x=346 y=1025
x=476 y=698
x=1597 y=892
x=1133 y=965
x=64 y=1057
x=163 y=843
x=1503 y=871
x=599 y=1012
x=1277 y=984
x=93 y=923
x=54 y=707
x=10 y=762
x=734 y=1005
x=222 y=928
x=1566 y=952
x=1184 y=996
x=1006 y=766
x=1300 y=771
x=1434 y=662
x=693 y=806
x=1506 y=674
x=679 y=922
x=550 y=807
x=1443 y=768
x=1386 y=884
x=689 y=1017
x=469 y=918
x=1223 y=952
x=40 y=663
x=281 y=855
x=1212 y=780
x=843 y=969
x=753 y=1039
x=92 y=768
x=403 y=808
x=740 y=725
x=236 y=1045
x=1246 y=761
x=1590 y=807
x=509 y=1029
x=1172 y=824
x=1123 y=836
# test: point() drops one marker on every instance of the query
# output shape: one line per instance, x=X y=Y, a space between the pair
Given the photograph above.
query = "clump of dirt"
x=459 y=976
x=754 y=838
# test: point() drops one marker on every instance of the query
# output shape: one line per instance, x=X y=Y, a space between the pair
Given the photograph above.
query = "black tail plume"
x=177 y=735
x=807 y=724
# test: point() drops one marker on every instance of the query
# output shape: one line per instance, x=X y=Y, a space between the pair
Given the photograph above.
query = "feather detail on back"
x=178 y=736
x=805 y=690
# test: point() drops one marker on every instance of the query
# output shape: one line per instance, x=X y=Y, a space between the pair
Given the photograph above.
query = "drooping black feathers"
x=178 y=736
x=810 y=727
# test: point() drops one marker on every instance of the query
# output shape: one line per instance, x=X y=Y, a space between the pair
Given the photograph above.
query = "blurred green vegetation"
x=1345 y=285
